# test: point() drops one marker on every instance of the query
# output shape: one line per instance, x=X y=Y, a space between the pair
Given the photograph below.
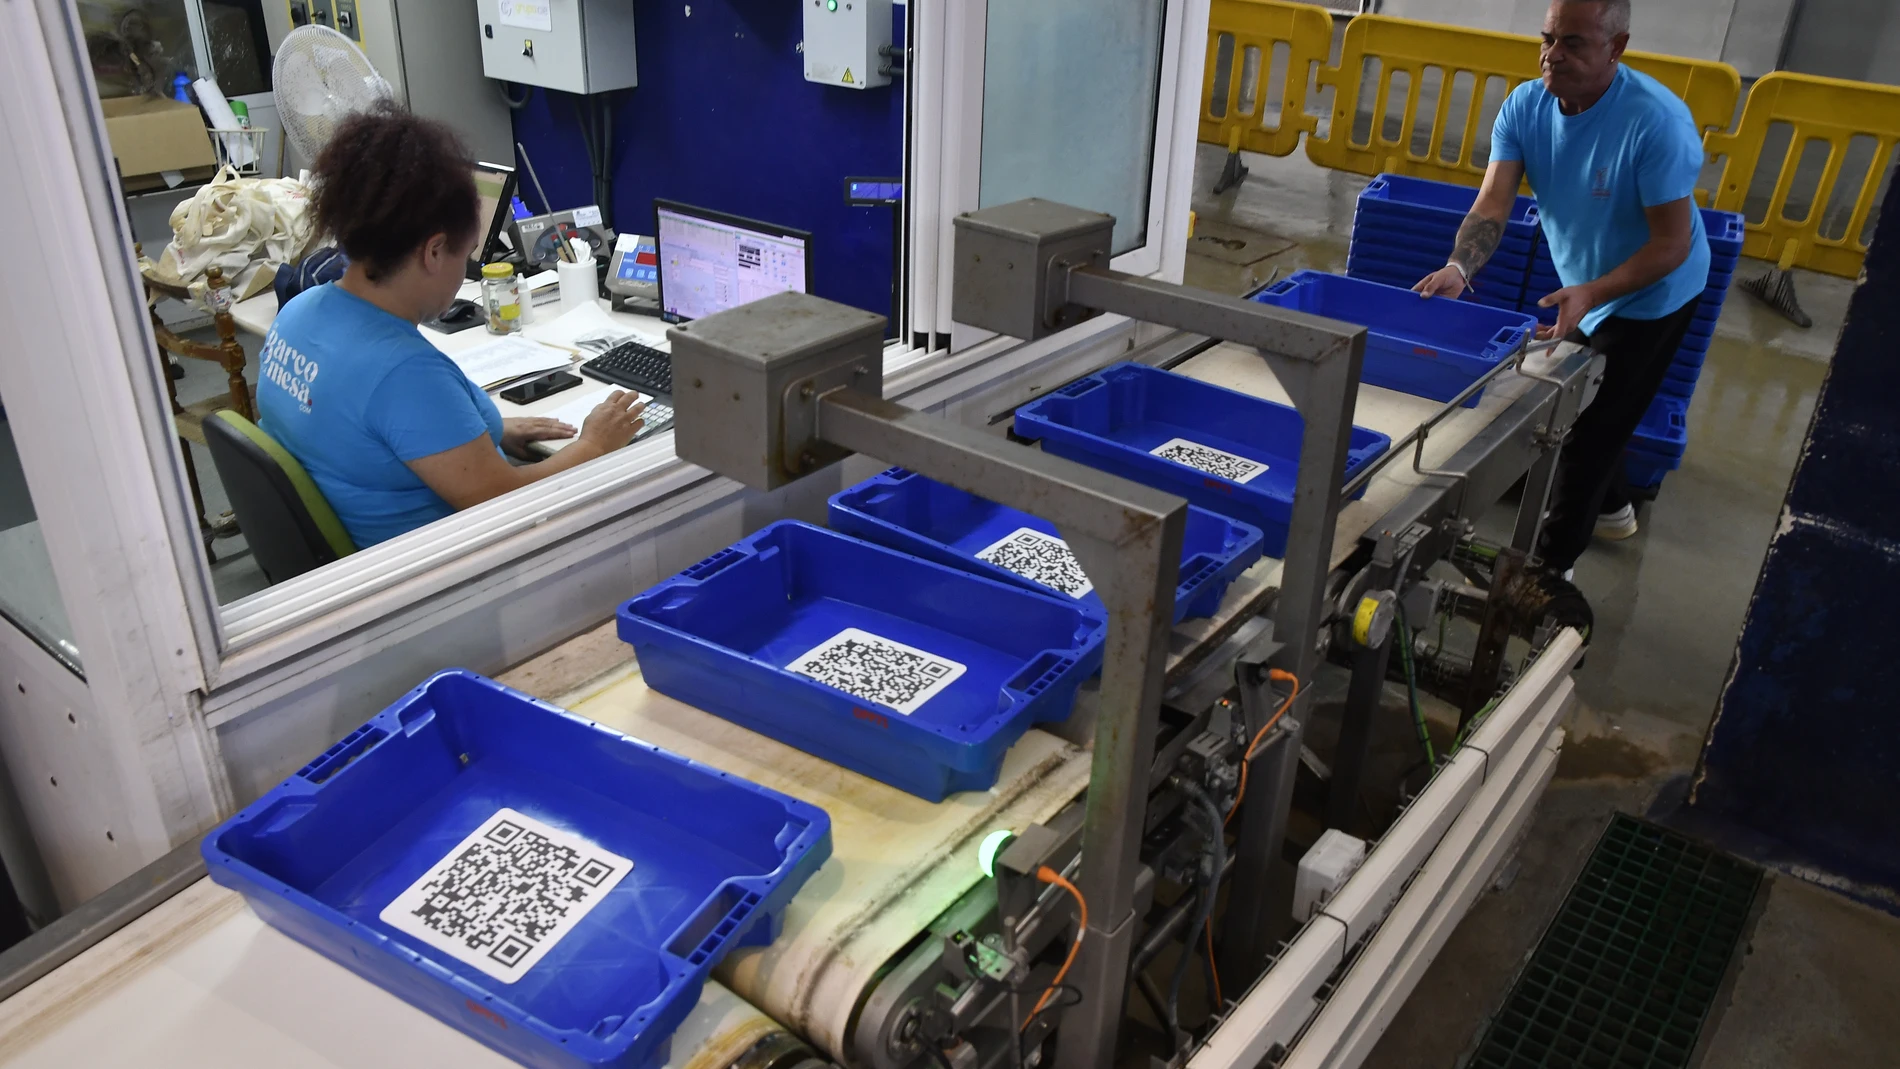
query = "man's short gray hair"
x=1616 y=14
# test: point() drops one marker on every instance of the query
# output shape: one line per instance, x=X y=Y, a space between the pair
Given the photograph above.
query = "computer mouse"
x=460 y=312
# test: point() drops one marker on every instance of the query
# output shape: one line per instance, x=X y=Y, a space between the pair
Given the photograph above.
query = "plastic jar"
x=501 y=299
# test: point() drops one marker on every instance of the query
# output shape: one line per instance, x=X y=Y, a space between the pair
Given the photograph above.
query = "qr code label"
x=1216 y=462
x=506 y=894
x=1039 y=558
x=878 y=670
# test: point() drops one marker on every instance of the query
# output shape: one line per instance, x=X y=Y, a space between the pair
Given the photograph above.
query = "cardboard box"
x=151 y=135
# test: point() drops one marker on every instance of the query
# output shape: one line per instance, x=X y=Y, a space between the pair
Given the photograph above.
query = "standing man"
x=1613 y=158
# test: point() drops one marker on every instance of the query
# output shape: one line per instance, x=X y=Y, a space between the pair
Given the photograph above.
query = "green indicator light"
x=992 y=845
x=831 y=5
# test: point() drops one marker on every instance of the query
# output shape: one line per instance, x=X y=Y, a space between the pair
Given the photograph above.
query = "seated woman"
x=393 y=433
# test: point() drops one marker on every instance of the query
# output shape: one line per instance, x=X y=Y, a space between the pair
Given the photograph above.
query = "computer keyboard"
x=655 y=418
x=633 y=366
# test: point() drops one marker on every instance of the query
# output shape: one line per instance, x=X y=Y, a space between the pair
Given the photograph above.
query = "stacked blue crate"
x=1652 y=451
x=1405 y=228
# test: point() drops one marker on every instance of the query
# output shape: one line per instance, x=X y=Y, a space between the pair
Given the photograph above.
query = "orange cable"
x=1253 y=747
x=1219 y=1002
x=1049 y=875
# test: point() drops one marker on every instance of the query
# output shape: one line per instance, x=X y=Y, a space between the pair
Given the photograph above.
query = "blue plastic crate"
x=1693 y=351
x=906 y=511
x=1683 y=371
x=1433 y=348
x=1389 y=239
x=1726 y=231
x=1120 y=417
x=1676 y=388
x=1413 y=265
x=694 y=863
x=1402 y=224
x=1644 y=472
x=1444 y=203
x=1664 y=430
x=723 y=635
x=1486 y=298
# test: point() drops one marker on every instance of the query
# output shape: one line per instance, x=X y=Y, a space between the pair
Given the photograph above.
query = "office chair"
x=290 y=527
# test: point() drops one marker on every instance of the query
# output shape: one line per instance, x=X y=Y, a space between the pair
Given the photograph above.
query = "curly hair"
x=387 y=182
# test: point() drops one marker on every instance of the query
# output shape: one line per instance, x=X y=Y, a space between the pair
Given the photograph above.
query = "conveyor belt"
x=897 y=860
x=200 y=982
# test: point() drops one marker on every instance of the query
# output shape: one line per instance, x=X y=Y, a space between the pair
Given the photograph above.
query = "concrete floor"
x=1818 y=979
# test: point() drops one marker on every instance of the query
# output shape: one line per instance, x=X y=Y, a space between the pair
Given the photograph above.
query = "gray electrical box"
x=846 y=42
x=1001 y=265
x=576 y=46
x=747 y=381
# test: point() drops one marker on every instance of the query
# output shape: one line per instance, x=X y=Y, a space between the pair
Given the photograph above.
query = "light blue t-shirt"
x=355 y=393
x=1596 y=171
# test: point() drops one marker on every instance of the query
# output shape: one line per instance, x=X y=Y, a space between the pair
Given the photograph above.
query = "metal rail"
x=1417 y=436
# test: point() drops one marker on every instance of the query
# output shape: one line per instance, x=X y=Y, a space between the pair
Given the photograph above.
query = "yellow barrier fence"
x=1247 y=69
x=1387 y=67
x=1407 y=66
x=1833 y=113
x=1418 y=98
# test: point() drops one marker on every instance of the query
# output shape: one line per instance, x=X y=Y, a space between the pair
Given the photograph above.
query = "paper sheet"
x=565 y=328
x=507 y=358
x=578 y=402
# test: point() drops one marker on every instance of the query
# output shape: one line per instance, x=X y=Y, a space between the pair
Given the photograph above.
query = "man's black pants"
x=1590 y=472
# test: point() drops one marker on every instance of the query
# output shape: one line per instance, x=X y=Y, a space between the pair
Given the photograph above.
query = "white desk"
x=256 y=315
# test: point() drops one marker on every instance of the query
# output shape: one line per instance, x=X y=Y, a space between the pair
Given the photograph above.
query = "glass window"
x=1070 y=89
x=29 y=599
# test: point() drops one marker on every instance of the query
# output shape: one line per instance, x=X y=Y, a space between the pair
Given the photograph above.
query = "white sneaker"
x=1618 y=525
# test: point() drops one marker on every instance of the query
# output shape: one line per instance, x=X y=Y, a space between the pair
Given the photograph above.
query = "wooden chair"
x=190 y=419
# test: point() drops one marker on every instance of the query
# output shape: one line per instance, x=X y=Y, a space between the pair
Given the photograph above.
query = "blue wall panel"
x=1802 y=763
x=724 y=118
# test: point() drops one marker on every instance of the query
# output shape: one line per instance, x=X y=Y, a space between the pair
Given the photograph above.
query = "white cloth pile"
x=247 y=226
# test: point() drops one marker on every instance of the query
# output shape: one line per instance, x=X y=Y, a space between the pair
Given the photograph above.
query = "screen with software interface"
x=708 y=266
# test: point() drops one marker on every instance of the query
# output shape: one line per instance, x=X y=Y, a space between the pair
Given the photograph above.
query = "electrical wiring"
x=1411 y=687
x=1051 y=876
x=1061 y=1002
x=596 y=124
x=1210 y=889
x=1246 y=759
x=1213 y=970
x=514 y=104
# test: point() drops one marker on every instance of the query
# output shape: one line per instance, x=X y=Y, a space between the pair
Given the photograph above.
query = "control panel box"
x=846 y=41
x=576 y=46
x=747 y=382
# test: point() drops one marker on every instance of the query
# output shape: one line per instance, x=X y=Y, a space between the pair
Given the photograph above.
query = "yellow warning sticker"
x=847 y=77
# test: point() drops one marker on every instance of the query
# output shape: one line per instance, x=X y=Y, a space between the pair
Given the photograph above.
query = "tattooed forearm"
x=1477 y=239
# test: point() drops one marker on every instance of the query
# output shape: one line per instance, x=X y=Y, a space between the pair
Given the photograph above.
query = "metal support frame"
x=1531 y=508
x=1128 y=540
x=1524 y=437
x=1033 y=267
x=1494 y=632
x=1362 y=697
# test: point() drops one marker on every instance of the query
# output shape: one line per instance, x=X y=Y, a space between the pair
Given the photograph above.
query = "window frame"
x=269 y=630
x=948 y=143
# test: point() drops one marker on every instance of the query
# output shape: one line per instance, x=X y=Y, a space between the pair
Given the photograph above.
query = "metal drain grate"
x=1627 y=972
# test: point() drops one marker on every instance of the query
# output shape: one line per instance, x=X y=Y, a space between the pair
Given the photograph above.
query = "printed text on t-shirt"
x=288 y=368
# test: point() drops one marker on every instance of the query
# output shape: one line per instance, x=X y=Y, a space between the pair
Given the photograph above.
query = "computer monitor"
x=495 y=190
x=711 y=261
